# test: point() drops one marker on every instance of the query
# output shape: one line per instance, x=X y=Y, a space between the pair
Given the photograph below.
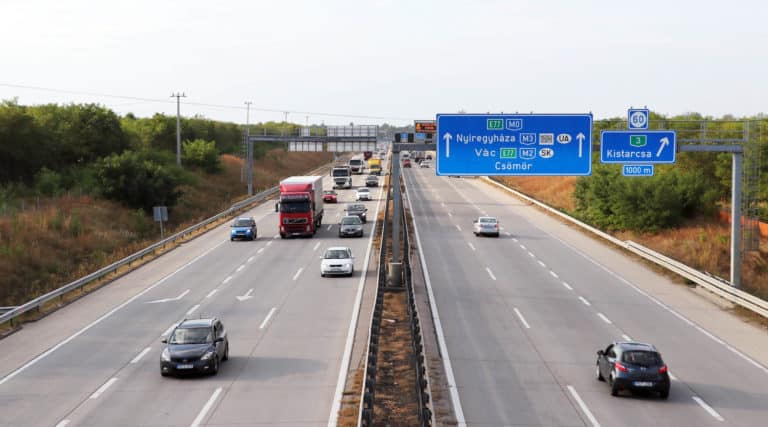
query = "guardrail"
x=710 y=282
x=36 y=303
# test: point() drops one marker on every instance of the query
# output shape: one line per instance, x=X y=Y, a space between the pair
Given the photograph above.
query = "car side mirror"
x=219 y=339
x=164 y=341
x=366 y=209
x=599 y=352
x=277 y=207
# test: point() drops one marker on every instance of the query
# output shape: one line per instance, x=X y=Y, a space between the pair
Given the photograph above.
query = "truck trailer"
x=300 y=206
x=374 y=166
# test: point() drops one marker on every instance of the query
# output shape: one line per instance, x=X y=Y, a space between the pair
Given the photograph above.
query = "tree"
x=202 y=154
x=138 y=182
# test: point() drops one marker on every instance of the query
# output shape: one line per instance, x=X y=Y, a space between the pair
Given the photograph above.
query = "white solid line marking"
x=239 y=269
x=471 y=246
x=522 y=319
x=605 y=319
x=672 y=377
x=140 y=355
x=554 y=274
x=103 y=388
x=63 y=423
x=626 y=337
x=225 y=281
x=296 y=276
x=583 y=407
x=212 y=293
x=567 y=286
x=266 y=319
x=330 y=226
x=490 y=273
x=584 y=300
x=193 y=309
x=316 y=246
x=708 y=408
x=541 y=263
x=206 y=408
x=522 y=246
x=531 y=254
x=251 y=258
x=457 y=226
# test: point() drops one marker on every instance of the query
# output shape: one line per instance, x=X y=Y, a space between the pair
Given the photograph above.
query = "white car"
x=363 y=194
x=337 y=260
x=424 y=164
x=486 y=225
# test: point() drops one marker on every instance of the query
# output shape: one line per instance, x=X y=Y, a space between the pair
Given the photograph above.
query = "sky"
x=371 y=62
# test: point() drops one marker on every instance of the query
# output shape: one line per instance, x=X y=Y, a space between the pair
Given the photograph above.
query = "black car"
x=356 y=209
x=633 y=366
x=195 y=346
x=372 y=181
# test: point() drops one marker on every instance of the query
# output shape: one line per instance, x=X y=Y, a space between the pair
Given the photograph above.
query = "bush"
x=137 y=182
x=201 y=153
x=47 y=182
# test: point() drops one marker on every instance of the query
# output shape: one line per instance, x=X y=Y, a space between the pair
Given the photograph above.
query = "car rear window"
x=336 y=254
x=487 y=220
x=642 y=358
x=243 y=223
x=351 y=220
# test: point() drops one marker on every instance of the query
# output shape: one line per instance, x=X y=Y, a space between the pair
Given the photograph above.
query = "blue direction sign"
x=637 y=146
x=514 y=144
x=637 y=170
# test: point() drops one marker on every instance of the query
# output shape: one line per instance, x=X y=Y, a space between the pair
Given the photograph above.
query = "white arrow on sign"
x=245 y=297
x=447 y=138
x=169 y=299
x=580 y=137
x=664 y=143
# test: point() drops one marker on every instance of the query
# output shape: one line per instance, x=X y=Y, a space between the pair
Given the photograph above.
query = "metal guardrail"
x=36 y=303
x=711 y=283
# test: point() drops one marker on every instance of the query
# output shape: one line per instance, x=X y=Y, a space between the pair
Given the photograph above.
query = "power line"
x=202 y=104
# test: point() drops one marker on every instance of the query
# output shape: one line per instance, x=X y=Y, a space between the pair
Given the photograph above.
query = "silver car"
x=337 y=261
x=351 y=226
x=486 y=225
x=363 y=194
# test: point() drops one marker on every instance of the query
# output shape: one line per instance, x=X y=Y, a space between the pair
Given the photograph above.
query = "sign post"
x=160 y=214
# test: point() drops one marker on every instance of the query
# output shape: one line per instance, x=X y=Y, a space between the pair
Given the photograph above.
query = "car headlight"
x=249 y=231
x=207 y=355
x=165 y=356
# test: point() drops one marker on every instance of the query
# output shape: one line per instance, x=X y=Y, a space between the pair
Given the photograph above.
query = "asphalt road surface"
x=523 y=315
x=96 y=361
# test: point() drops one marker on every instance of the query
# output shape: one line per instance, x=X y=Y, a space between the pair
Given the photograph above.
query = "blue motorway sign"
x=638 y=146
x=637 y=118
x=637 y=170
x=514 y=144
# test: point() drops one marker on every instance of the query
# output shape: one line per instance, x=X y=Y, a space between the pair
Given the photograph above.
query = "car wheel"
x=322 y=274
x=598 y=374
x=215 y=369
x=614 y=386
x=475 y=234
x=282 y=235
x=164 y=374
x=226 y=353
x=231 y=239
x=664 y=394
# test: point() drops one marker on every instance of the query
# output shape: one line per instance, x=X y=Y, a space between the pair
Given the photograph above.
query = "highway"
x=96 y=361
x=523 y=315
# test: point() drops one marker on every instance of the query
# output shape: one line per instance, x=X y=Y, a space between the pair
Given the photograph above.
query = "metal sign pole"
x=395 y=182
x=736 y=220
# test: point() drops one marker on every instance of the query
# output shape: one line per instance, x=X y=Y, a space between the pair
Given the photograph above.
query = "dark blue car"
x=633 y=366
x=243 y=228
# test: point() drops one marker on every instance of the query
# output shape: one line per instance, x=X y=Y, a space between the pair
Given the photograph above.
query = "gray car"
x=350 y=226
x=486 y=225
x=356 y=209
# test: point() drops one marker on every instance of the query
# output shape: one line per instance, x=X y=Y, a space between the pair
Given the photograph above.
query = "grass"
x=61 y=239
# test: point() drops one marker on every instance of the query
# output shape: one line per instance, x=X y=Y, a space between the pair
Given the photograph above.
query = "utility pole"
x=285 y=116
x=178 y=97
x=250 y=146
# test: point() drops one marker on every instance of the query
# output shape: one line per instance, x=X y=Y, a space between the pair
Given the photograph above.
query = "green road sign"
x=495 y=124
x=509 y=153
x=638 y=140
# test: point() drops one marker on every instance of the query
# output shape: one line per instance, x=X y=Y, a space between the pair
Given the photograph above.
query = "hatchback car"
x=633 y=366
x=406 y=163
x=372 y=181
x=363 y=193
x=356 y=209
x=195 y=346
x=351 y=225
x=424 y=164
x=486 y=225
x=243 y=228
x=337 y=261
x=330 y=196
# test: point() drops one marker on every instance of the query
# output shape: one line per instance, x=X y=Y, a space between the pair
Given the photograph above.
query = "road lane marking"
x=168 y=331
x=140 y=355
x=450 y=214
x=531 y=254
x=508 y=233
x=584 y=300
x=261 y=249
x=554 y=274
x=103 y=388
x=193 y=309
x=471 y=246
x=329 y=226
x=567 y=286
x=276 y=236
x=626 y=337
x=316 y=246
x=457 y=227
x=266 y=319
x=206 y=408
x=298 y=272
x=605 y=319
x=182 y=295
x=225 y=281
x=490 y=273
x=522 y=246
x=541 y=263
x=583 y=406
x=269 y=242
x=514 y=239
x=239 y=269
x=245 y=297
x=251 y=258
x=522 y=319
x=708 y=408
x=442 y=204
x=63 y=423
x=212 y=293
x=672 y=377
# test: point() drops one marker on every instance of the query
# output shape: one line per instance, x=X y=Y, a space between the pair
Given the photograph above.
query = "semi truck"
x=342 y=176
x=374 y=166
x=300 y=206
x=356 y=164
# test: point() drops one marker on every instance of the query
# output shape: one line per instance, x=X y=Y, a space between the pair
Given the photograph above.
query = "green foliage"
x=47 y=182
x=201 y=153
x=138 y=182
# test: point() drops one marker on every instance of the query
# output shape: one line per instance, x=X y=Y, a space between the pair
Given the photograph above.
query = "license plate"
x=184 y=366
x=643 y=384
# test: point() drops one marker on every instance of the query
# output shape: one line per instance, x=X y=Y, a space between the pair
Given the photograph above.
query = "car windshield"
x=191 y=336
x=336 y=254
x=363 y=190
x=294 y=207
x=350 y=221
x=355 y=162
x=329 y=192
x=341 y=172
x=488 y=220
x=355 y=207
x=243 y=222
x=642 y=358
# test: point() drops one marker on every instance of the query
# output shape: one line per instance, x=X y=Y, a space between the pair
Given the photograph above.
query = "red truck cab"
x=300 y=206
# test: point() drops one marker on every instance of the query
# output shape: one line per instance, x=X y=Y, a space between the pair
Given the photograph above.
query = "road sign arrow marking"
x=580 y=137
x=447 y=138
x=245 y=297
x=664 y=143
x=169 y=299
